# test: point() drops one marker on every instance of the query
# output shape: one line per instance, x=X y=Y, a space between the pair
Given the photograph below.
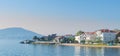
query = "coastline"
x=78 y=45
x=95 y=46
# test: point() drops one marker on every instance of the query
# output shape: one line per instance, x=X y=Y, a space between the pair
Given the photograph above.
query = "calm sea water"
x=14 y=48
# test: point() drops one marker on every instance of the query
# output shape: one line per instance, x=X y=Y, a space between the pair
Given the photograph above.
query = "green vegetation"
x=79 y=33
x=35 y=38
x=116 y=41
x=82 y=41
x=68 y=40
x=44 y=38
x=98 y=40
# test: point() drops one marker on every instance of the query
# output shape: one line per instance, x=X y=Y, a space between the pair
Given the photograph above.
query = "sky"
x=60 y=16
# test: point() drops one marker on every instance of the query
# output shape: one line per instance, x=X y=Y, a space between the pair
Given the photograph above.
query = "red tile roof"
x=106 y=30
x=90 y=32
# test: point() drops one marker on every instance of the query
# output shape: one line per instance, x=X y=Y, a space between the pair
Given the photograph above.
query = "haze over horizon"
x=60 y=16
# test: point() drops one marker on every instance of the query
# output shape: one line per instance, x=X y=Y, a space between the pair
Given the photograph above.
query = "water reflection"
x=52 y=50
x=13 y=48
x=90 y=51
x=56 y=50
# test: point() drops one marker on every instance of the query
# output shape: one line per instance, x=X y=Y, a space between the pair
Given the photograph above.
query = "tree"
x=72 y=40
x=118 y=34
x=79 y=33
x=89 y=41
x=35 y=38
x=117 y=40
x=69 y=40
x=98 y=40
x=82 y=41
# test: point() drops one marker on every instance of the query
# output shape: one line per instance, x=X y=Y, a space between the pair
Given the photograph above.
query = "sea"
x=14 y=48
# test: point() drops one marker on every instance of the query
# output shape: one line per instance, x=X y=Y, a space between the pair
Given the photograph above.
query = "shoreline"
x=81 y=45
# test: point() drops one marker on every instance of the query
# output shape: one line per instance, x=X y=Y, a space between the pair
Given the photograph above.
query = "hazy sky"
x=60 y=16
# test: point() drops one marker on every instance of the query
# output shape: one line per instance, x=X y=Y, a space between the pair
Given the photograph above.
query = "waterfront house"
x=106 y=35
x=58 y=39
x=89 y=37
x=86 y=37
x=80 y=38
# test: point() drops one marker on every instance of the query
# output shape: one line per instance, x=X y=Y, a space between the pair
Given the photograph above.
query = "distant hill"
x=17 y=33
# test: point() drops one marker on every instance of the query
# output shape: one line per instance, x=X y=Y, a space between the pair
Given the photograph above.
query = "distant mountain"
x=17 y=33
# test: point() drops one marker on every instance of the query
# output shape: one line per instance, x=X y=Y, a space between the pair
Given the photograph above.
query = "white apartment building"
x=106 y=35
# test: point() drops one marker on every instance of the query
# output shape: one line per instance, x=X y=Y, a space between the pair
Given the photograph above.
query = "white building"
x=90 y=35
x=80 y=38
x=106 y=35
x=87 y=36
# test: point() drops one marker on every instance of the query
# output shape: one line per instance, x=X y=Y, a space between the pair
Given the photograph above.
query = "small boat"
x=27 y=42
